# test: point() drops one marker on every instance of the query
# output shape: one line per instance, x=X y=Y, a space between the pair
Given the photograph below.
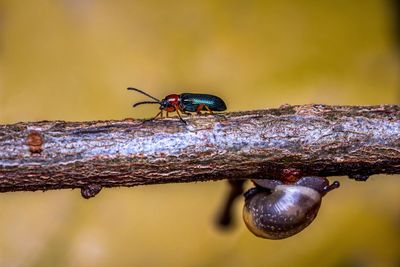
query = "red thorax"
x=173 y=101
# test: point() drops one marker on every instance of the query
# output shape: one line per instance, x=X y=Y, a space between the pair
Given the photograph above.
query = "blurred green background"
x=73 y=59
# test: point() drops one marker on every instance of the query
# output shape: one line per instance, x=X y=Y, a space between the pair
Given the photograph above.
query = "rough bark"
x=311 y=139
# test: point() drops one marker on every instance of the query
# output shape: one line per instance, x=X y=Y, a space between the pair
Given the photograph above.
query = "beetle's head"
x=164 y=104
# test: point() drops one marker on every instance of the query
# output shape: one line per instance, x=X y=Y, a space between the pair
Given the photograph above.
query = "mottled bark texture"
x=311 y=139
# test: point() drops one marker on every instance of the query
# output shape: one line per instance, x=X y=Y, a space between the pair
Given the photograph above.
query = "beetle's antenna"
x=145 y=102
x=146 y=94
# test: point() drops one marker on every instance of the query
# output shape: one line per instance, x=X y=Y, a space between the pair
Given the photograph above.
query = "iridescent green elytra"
x=189 y=102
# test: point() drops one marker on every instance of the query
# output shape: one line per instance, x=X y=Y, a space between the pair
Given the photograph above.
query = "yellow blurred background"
x=73 y=59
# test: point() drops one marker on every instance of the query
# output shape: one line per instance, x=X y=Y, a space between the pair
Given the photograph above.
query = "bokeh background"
x=73 y=59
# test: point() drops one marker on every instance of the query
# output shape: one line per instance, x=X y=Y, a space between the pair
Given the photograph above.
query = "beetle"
x=185 y=103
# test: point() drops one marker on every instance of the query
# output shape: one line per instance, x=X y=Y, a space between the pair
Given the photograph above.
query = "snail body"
x=274 y=210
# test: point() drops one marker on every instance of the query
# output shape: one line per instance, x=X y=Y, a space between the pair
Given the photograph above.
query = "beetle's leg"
x=167 y=116
x=158 y=114
x=199 y=108
x=182 y=110
x=179 y=115
x=208 y=109
x=155 y=117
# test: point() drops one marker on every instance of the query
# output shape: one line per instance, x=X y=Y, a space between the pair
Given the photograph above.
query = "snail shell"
x=278 y=211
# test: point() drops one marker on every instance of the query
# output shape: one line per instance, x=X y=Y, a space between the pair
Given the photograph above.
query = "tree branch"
x=313 y=139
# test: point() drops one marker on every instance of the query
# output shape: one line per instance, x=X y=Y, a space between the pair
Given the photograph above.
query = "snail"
x=274 y=210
